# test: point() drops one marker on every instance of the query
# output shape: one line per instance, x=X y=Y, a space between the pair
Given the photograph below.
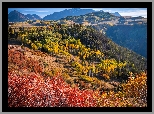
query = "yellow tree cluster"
x=108 y=67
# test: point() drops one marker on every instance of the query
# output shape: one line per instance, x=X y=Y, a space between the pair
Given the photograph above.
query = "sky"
x=42 y=12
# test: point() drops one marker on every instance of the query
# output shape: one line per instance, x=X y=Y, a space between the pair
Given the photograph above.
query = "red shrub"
x=19 y=59
x=34 y=91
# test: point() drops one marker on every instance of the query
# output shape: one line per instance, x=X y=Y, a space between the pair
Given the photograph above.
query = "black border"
x=6 y=5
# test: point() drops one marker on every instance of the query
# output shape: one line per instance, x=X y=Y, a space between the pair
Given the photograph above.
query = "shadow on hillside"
x=14 y=42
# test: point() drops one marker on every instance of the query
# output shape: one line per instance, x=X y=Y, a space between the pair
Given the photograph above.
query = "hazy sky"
x=47 y=11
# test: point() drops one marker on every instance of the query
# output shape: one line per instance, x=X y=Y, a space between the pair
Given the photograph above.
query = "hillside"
x=75 y=61
x=96 y=40
x=91 y=40
x=133 y=37
x=41 y=74
x=129 y=33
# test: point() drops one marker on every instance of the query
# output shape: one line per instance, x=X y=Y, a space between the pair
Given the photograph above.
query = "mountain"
x=116 y=14
x=15 y=16
x=33 y=17
x=93 y=17
x=67 y=12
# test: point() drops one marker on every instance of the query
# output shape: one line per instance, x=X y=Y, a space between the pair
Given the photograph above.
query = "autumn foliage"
x=18 y=59
x=86 y=72
x=34 y=91
x=136 y=87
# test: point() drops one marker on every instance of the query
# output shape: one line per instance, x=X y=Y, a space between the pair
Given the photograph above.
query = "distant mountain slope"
x=133 y=37
x=67 y=12
x=93 y=17
x=116 y=14
x=15 y=16
x=33 y=17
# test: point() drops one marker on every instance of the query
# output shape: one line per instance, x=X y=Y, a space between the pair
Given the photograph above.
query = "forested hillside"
x=134 y=37
x=76 y=61
x=128 y=33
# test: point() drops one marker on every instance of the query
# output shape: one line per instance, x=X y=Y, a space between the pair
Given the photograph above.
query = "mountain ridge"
x=15 y=16
x=67 y=12
x=116 y=14
x=33 y=17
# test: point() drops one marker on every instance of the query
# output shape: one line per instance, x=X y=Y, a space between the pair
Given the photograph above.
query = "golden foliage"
x=136 y=86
